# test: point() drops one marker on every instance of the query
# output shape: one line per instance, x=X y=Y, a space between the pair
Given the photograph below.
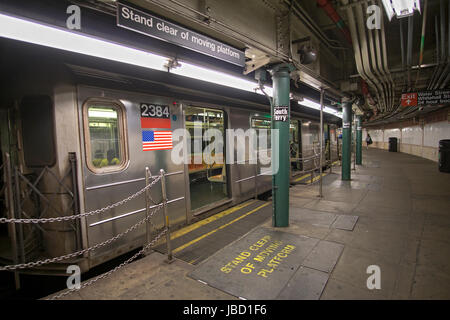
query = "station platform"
x=393 y=214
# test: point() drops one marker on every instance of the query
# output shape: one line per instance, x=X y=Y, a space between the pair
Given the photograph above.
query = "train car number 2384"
x=154 y=111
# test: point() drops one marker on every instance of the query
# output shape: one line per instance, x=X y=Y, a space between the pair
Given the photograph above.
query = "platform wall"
x=419 y=139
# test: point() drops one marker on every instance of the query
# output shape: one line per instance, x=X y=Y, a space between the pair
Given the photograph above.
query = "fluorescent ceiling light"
x=400 y=8
x=212 y=76
x=32 y=32
x=314 y=105
x=36 y=33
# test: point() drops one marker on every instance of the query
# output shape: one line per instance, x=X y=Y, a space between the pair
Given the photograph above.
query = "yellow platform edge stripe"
x=184 y=246
x=318 y=177
x=203 y=222
x=302 y=177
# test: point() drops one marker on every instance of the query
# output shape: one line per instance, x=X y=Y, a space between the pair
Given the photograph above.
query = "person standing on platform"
x=368 y=141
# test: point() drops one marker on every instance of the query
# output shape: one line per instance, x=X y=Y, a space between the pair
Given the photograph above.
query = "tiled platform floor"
x=403 y=208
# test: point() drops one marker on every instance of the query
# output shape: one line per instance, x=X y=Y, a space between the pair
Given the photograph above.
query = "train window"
x=38 y=131
x=105 y=137
x=262 y=123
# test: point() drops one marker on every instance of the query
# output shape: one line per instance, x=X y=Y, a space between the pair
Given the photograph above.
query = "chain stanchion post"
x=10 y=206
x=19 y=215
x=147 y=206
x=166 y=216
x=256 y=180
x=321 y=143
x=331 y=165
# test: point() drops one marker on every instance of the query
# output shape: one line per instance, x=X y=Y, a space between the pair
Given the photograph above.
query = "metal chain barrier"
x=66 y=218
x=102 y=276
x=74 y=254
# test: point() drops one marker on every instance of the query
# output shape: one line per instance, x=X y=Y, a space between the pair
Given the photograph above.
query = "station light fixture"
x=314 y=105
x=400 y=8
x=36 y=33
x=40 y=34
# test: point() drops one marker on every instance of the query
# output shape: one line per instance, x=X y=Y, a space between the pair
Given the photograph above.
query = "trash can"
x=444 y=155
x=392 y=144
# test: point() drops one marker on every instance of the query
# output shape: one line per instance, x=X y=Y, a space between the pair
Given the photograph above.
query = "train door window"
x=259 y=123
x=208 y=181
x=38 y=131
x=262 y=123
x=105 y=137
x=294 y=146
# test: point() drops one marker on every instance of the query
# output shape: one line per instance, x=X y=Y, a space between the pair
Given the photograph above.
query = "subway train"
x=72 y=141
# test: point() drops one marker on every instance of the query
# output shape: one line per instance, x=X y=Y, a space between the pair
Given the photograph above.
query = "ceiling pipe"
x=382 y=60
x=409 y=48
x=377 y=67
x=336 y=18
x=403 y=53
x=436 y=31
x=445 y=59
x=447 y=79
x=357 y=50
x=365 y=55
x=440 y=69
x=422 y=39
x=301 y=14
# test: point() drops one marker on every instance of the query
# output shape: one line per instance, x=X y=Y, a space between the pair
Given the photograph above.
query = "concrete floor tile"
x=404 y=282
x=305 y=284
x=340 y=236
x=314 y=217
x=437 y=232
x=385 y=243
x=324 y=256
x=429 y=285
x=352 y=269
x=345 y=222
x=331 y=206
x=305 y=229
x=299 y=202
x=379 y=210
x=436 y=206
x=435 y=254
x=340 y=290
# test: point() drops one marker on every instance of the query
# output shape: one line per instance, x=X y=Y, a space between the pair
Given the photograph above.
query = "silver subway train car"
x=73 y=141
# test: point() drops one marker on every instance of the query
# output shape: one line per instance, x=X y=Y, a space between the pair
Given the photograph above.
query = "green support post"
x=358 y=140
x=346 y=139
x=280 y=158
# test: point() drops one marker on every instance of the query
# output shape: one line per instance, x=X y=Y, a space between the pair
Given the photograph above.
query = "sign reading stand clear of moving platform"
x=139 y=21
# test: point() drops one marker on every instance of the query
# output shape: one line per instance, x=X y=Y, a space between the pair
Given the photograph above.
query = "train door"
x=294 y=147
x=208 y=182
x=326 y=143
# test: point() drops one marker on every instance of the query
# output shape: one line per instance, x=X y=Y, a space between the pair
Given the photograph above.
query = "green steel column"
x=358 y=140
x=280 y=160
x=346 y=139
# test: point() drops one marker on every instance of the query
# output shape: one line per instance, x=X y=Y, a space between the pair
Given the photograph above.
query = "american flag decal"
x=156 y=140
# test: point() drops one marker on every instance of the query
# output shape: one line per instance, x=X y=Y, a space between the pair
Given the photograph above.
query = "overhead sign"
x=425 y=98
x=133 y=19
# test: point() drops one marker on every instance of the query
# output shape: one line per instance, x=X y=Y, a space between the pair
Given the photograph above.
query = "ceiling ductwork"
x=371 y=54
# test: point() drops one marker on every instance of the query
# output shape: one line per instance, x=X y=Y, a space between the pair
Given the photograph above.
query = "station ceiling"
x=328 y=42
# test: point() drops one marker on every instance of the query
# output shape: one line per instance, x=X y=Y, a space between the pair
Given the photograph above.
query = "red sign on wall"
x=426 y=98
x=409 y=99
